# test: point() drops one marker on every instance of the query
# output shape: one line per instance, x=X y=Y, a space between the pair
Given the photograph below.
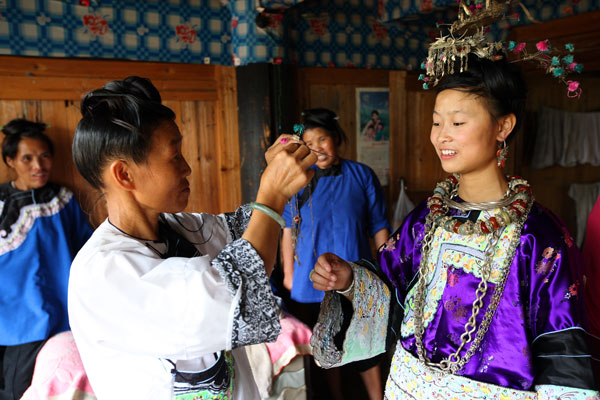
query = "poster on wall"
x=373 y=130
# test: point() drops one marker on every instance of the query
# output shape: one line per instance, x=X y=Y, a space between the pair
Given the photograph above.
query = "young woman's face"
x=161 y=183
x=32 y=163
x=463 y=133
x=319 y=140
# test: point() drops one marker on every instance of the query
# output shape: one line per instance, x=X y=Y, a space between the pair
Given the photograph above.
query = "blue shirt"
x=339 y=210
x=41 y=230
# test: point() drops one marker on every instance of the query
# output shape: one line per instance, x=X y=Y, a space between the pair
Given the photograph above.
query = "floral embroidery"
x=458 y=310
x=409 y=378
x=452 y=277
x=550 y=258
x=572 y=291
x=368 y=329
x=390 y=244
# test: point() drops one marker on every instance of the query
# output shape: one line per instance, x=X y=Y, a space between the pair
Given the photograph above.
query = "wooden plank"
x=208 y=171
x=227 y=133
x=561 y=27
x=398 y=136
x=347 y=76
x=73 y=88
x=105 y=69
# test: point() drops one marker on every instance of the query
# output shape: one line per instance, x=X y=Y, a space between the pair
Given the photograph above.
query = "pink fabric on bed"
x=294 y=340
x=59 y=372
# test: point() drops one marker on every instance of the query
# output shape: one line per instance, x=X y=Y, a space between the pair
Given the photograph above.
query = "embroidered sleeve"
x=334 y=341
x=561 y=348
x=255 y=317
x=551 y=392
x=237 y=221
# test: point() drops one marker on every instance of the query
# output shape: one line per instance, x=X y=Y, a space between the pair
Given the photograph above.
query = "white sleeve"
x=173 y=308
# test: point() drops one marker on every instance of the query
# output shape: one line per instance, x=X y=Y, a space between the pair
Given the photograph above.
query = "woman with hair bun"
x=163 y=302
x=342 y=207
x=41 y=230
x=480 y=289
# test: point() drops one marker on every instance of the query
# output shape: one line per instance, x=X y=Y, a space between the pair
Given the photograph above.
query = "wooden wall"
x=203 y=97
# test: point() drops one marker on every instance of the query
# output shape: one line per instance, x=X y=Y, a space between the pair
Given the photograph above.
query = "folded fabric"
x=59 y=373
x=293 y=341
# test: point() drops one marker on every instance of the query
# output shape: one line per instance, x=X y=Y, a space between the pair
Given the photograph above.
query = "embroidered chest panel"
x=451 y=257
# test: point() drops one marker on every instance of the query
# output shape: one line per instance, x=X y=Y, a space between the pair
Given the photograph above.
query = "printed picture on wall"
x=373 y=130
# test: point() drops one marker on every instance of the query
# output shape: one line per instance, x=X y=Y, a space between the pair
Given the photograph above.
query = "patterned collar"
x=13 y=200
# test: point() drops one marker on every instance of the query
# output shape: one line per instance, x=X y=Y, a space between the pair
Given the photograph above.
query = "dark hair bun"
x=20 y=126
x=118 y=121
x=325 y=119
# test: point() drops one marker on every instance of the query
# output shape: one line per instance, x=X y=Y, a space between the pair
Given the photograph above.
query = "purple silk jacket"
x=537 y=335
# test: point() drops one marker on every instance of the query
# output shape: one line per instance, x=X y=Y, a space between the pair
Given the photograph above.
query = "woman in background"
x=41 y=230
x=342 y=207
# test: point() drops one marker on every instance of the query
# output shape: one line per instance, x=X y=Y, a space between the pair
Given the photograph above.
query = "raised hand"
x=287 y=171
x=331 y=273
x=284 y=142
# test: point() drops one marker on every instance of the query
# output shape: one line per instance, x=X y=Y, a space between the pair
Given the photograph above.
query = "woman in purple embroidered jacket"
x=485 y=284
x=41 y=229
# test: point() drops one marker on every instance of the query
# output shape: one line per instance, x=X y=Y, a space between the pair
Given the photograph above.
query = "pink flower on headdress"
x=519 y=47
x=573 y=89
x=572 y=66
x=542 y=45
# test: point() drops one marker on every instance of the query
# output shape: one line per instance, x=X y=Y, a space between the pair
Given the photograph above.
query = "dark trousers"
x=16 y=364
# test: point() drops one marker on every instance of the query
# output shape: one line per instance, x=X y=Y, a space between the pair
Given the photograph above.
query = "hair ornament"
x=467 y=35
x=299 y=129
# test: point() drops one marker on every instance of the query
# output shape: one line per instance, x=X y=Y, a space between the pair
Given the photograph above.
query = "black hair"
x=117 y=122
x=324 y=119
x=18 y=129
x=374 y=112
x=499 y=82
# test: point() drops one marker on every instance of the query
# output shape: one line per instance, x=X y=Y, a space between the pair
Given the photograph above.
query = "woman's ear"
x=10 y=162
x=120 y=173
x=506 y=124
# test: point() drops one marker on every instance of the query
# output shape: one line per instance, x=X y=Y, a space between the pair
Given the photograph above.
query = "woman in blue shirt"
x=341 y=208
x=41 y=230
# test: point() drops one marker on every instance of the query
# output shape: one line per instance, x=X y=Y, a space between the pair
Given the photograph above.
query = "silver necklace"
x=455 y=362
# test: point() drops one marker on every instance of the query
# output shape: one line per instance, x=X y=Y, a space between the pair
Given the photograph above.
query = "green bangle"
x=270 y=212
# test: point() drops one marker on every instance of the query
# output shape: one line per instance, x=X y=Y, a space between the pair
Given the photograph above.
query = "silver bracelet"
x=270 y=212
x=347 y=291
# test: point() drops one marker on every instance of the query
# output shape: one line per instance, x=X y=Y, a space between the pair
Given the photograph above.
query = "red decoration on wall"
x=186 y=34
x=95 y=24
x=380 y=31
x=318 y=27
x=426 y=5
x=380 y=8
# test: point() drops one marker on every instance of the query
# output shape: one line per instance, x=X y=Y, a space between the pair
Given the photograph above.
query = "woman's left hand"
x=284 y=142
